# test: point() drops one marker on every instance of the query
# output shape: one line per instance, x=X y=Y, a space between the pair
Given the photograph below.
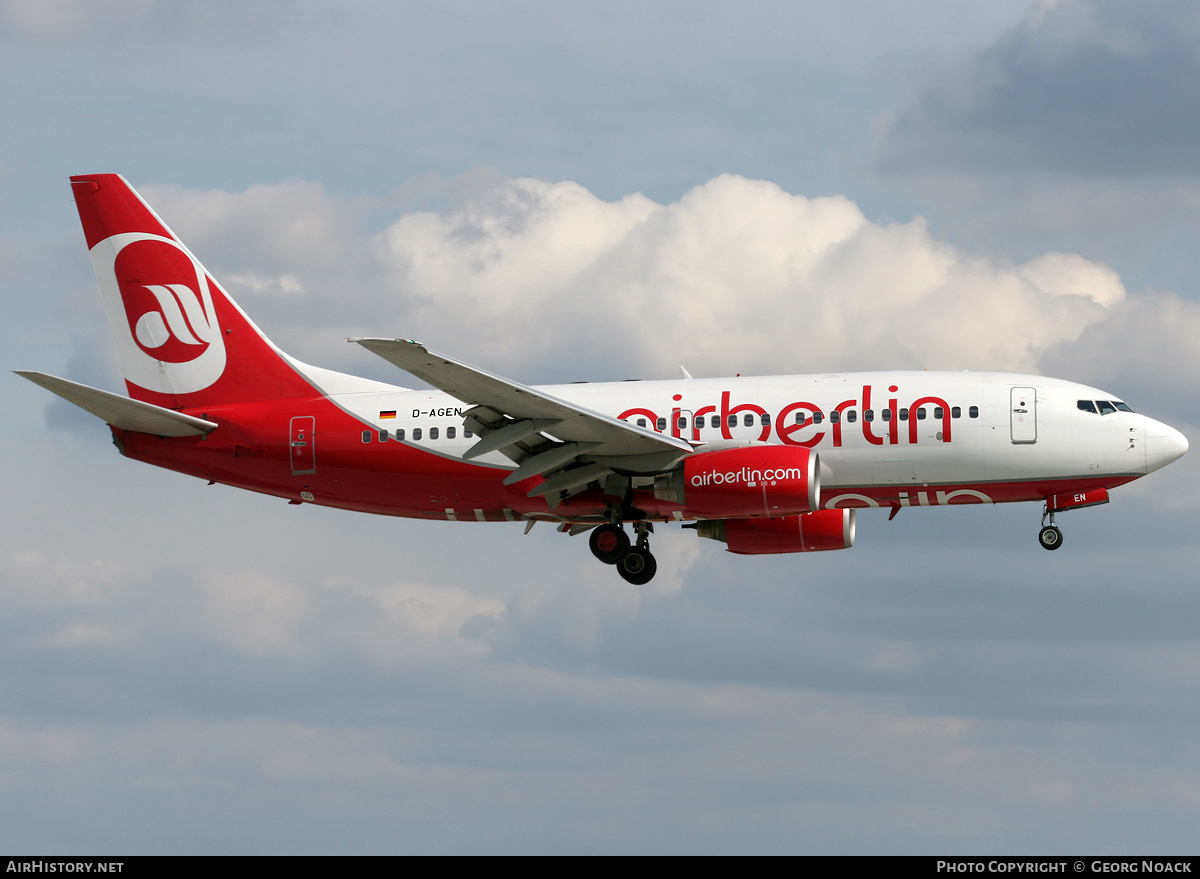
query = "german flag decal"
x=388 y=413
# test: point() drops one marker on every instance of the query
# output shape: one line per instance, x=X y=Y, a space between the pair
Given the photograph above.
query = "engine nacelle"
x=810 y=532
x=743 y=483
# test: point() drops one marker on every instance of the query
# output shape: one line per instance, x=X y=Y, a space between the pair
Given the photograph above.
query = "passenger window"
x=433 y=433
x=939 y=412
x=973 y=411
x=956 y=411
x=748 y=420
x=801 y=416
x=661 y=424
x=904 y=415
x=921 y=414
x=466 y=434
x=852 y=415
x=367 y=434
x=682 y=423
x=399 y=434
x=383 y=436
x=835 y=416
x=1087 y=406
x=450 y=431
x=417 y=433
x=641 y=422
x=818 y=418
x=733 y=421
x=765 y=420
x=1106 y=408
x=887 y=414
x=868 y=415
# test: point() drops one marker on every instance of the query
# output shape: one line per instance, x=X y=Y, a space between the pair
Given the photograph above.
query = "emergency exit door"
x=301 y=447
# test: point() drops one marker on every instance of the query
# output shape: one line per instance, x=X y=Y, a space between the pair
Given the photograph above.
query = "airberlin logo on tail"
x=156 y=327
x=160 y=309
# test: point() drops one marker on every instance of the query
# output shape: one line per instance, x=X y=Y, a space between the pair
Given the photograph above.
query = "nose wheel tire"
x=637 y=566
x=1050 y=537
x=609 y=543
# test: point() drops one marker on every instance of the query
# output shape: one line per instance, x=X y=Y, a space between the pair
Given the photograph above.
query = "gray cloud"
x=1073 y=130
x=251 y=691
x=1091 y=88
x=134 y=22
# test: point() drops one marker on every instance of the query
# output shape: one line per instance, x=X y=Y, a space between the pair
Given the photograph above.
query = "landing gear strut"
x=610 y=544
x=638 y=566
x=1049 y=537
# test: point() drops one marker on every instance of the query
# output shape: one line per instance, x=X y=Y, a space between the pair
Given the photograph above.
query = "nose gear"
x=1050 y=537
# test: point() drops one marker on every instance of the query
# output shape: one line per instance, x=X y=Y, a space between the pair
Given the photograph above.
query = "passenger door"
x=1023 y=414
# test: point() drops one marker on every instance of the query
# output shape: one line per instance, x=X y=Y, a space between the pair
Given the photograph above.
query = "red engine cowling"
x=746 y=482
x=810 y=532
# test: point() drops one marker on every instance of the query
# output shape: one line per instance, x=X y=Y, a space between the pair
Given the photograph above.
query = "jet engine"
x=745 y=482
x=809 y=532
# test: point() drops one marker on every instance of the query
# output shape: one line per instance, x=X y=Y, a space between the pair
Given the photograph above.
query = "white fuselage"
x=871 y=430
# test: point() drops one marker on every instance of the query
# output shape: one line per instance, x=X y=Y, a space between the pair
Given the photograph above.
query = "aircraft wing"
x=514 y=419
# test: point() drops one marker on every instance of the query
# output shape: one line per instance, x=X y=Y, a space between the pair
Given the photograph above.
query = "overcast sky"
x=599 y=191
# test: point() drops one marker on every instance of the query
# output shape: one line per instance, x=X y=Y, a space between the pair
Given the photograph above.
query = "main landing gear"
x=611 y=545
x=1049 y=537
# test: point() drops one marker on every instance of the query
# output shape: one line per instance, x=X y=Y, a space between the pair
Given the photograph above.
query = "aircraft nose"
x=1164 y=444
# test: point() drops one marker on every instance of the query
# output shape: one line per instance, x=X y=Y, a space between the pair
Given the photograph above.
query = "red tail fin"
x=181 y=340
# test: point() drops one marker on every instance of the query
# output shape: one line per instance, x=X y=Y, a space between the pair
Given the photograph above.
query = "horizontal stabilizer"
x=121 y=411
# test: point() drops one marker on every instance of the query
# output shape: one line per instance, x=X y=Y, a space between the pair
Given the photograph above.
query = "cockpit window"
x=1122 y=406
x=1086 y=406
x=1106 y=408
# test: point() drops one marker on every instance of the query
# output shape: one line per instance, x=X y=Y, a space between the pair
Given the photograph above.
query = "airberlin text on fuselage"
x=787 y=429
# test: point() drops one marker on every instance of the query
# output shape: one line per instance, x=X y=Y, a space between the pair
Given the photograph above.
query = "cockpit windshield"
x=1102 y=407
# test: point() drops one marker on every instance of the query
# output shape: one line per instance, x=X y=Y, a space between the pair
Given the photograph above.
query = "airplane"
x=776 y=464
